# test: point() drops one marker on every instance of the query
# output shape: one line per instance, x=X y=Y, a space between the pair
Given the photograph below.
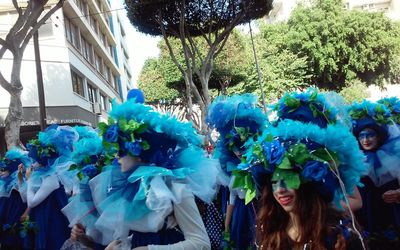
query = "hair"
x=316 y=217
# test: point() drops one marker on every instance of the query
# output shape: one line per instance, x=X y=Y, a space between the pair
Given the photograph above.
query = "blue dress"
x=52 y=225
x=380 y=220
x=242 y=229
x=10 y=215
x=163 y=237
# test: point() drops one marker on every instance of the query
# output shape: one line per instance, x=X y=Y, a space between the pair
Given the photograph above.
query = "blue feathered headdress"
x=138 y=130
x=393 y=104
x=297 y=152
x=52 y=143
x=14 y=158
x=370 y=115
x=88 y=153
x=311 y=106
x=236 y=118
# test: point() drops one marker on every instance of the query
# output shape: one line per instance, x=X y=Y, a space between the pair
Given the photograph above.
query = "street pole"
x=42 y=104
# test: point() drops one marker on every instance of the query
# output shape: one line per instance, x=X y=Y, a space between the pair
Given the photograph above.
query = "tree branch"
x=5 y=84
x=19 y=10
x=41 y=22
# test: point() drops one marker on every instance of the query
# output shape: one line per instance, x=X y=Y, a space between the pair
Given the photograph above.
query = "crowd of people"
x=308 y=172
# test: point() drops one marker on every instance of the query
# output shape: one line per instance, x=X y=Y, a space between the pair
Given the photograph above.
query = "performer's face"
x=285 y=196
x=128 y=162
x=368 y=139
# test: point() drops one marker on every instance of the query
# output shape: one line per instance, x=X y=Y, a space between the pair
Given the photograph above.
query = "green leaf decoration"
x=103 y=127
x=111 y=120
x=244 y=180
x=142 y=128
x=314 y=95
x=72 y=167
x=145 y=145
x=285 y=164
x=291 y=102
x=291 y=178
x=80 y=176
x=299 y=154
x=269 y=138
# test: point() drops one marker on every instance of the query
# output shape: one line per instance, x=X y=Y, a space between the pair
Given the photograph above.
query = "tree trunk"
x=13 y=120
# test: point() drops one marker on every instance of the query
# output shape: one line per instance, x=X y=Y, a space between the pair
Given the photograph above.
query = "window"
x=75 y=36
x=77 y=84
x=92 y=93
x=87 y=50
x=103 y=101
x=93 y=23
x=107 y=73
x=68 y=29
x=111 y=48
x=98 y=63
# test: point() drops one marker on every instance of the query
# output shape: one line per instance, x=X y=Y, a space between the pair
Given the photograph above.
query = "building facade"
x=84 y=63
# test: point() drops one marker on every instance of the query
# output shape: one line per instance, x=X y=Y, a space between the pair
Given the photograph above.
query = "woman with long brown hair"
x=310 y=170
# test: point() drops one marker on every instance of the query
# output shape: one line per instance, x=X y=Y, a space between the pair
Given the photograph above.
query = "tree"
x=212 y=20
x=355 y=91
x=342 y=45
x=164 y=86
x=281 y=69
x=30 y=18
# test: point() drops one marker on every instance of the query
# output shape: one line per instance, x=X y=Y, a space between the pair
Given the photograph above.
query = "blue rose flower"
x=134 y=148
x=111 y=134
x=274 y=152
x=90 y=170
x=315 y=170
x=396 y=108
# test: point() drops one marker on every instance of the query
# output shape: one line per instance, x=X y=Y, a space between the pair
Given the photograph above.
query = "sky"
x=140 y=46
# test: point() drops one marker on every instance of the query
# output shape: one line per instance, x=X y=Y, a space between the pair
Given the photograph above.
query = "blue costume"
x=236 y=119
x=49 y=186
x=380 y=220
x=12 y=199
x=153 y=201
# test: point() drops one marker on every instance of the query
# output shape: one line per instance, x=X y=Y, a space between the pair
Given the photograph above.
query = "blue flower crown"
x=377 y=111
x=44 y=154
x=88 y=153
x=136 y=129
x=309 y=106
x=393 y=104
x=299 y=153
x=236 y=118
x=13 y=159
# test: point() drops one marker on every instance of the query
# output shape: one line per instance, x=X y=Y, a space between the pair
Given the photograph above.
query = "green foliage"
x=281 y=69
x=160 y=79
x=341 y=45
x=152 y=82
x=355 y=91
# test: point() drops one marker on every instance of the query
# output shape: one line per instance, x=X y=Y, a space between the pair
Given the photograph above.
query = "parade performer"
x=380 y=215
x=311 y=170
x=164 y=168
x=49 y=183
x=319 y=108
x=89 y=161
x=236 y=119
x=12 y=198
